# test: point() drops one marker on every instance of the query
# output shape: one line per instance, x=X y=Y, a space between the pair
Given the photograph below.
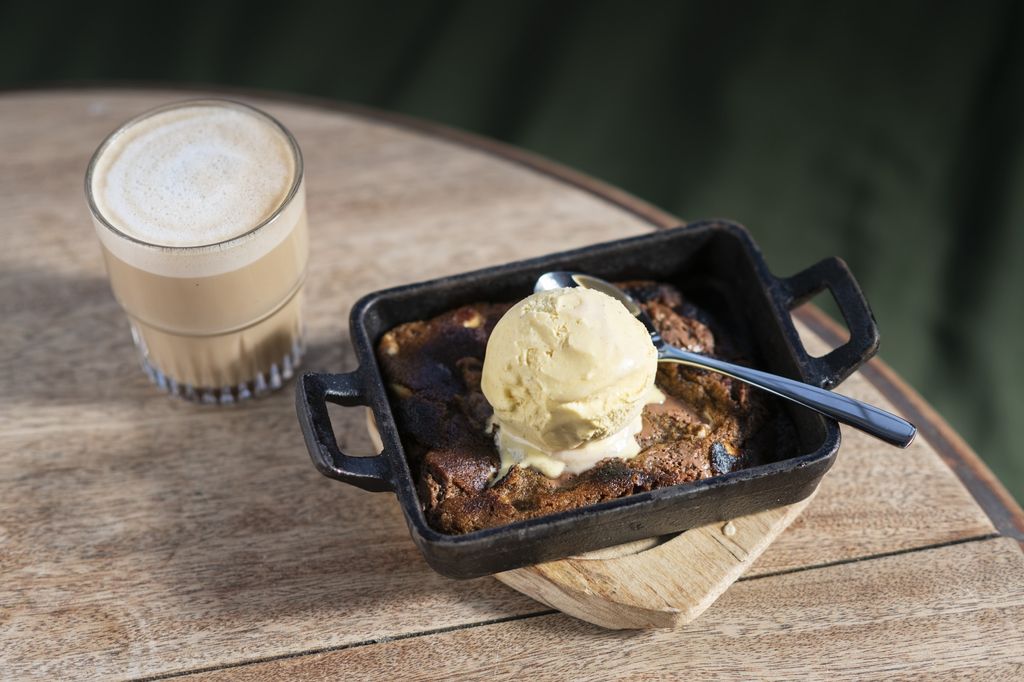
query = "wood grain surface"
x=145 y=537
x=891 y=617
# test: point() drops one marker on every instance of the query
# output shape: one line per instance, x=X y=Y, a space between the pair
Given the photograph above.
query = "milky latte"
x=200 y=209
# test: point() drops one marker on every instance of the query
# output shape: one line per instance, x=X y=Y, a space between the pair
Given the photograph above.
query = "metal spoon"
x=871 y=420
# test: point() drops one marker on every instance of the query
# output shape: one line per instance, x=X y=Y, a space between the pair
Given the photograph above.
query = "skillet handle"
x=833 y=274
x=312 y=393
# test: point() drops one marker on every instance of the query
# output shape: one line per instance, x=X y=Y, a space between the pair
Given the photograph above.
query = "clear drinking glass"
x=200 y=208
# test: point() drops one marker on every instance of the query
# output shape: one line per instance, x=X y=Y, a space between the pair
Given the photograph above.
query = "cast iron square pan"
x=716 y=264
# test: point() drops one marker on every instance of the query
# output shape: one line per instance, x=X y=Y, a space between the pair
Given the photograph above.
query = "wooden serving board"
x=657 y=583
x=653 y=583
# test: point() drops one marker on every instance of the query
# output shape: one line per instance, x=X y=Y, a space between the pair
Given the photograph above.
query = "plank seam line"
x=350 y=645
x=871 y=557
x=533 y=614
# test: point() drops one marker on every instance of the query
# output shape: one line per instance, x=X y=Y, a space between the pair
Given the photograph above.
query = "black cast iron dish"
x=718 y=266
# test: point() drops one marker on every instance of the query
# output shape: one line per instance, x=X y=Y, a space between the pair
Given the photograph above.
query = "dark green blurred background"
x=891 y=134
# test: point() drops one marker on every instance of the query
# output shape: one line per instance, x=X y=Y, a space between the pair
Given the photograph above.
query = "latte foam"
x=193 y=175
x=201 y=174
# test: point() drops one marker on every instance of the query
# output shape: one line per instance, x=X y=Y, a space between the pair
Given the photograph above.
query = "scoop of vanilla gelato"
x=567 y=368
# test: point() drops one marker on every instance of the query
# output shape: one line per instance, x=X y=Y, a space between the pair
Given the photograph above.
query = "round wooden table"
x=143 y=537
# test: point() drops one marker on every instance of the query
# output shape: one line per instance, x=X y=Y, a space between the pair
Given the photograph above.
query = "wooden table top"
x=142 y=537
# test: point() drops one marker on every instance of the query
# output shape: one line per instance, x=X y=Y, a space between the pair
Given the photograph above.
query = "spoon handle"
x=878 y=423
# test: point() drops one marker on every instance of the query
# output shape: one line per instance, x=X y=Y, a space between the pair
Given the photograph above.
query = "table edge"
x=988 y=492
x=624 y=200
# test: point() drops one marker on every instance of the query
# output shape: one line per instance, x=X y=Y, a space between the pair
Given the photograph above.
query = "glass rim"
x=199 y=101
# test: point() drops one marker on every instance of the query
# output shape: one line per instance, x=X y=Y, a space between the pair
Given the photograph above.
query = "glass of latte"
x=200 y=208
